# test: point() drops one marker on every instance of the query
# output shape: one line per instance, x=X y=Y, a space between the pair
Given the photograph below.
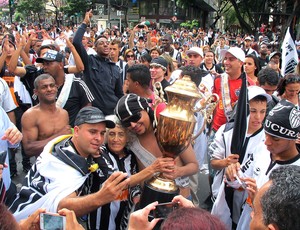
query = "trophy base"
x=158 y=189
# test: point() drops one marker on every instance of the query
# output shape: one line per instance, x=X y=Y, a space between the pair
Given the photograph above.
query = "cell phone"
x=140 y=26
x=50 y=221
x=39 y=35
x=3 y=155
x=164 y=209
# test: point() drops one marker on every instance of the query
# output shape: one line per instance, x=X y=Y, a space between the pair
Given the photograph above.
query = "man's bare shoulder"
x=37 y=112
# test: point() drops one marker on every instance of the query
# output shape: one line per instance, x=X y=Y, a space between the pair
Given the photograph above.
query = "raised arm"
x=4 y=54
x=131 y=37
x=77 y=40
x=12 y=66
x=148 y=44
x=79 y=66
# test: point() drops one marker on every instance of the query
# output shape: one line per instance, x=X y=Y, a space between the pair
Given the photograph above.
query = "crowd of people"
x=83 y=104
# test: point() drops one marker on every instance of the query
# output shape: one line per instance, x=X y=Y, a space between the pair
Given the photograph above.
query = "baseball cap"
x=283 y=121
x=254 y=91
x=248 y=38
x=51 y=55
x=237 y=52
x=274 y=53
x=160 y=62
x=195 y=50
x=92 y=115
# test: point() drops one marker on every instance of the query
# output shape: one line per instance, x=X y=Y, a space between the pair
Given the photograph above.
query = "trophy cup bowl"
x=174 y=134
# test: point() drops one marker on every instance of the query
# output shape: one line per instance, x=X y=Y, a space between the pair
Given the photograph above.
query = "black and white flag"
x=289 y=54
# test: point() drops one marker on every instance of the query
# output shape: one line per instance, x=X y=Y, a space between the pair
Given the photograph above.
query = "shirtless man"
x=136 y=114
x=44 y=121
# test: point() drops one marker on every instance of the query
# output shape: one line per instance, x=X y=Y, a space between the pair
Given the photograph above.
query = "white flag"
x=289 y=54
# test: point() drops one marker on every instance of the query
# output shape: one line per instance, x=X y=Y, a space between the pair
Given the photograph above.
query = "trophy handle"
x=159 y=98
x=207 y=109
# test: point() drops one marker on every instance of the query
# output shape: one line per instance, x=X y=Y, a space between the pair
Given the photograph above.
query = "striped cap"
x=129 y=105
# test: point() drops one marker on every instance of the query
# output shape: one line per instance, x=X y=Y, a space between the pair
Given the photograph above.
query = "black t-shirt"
x=79 y=97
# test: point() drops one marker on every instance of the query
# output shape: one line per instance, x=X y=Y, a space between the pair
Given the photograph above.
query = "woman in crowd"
x=251 y=68
x=208 y=64
x=129 y=57
x=289 y=88
x=155 y=52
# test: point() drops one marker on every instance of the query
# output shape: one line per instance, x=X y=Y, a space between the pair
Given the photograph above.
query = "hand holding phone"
x=3 y=157
x=164 y=209
x=52 y=221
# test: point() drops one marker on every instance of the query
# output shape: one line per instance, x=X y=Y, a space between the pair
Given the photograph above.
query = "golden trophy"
x=174 y=133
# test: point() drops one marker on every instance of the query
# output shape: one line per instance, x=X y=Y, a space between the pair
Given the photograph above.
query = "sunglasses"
x=134 y=118
x=129 y=56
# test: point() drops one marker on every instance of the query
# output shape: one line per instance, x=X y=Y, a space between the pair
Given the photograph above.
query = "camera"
x=50 y=221
x=164 y=209
x=140 y=26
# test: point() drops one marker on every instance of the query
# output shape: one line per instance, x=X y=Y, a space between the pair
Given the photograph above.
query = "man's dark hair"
x=281 y=202
x=49 y=46
x=268 y=76
x=195 y=73
x=141 y=74
x=40 y=78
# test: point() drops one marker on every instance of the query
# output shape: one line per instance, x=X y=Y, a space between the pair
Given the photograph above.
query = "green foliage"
x=18 y=17
x=29 y=7
x=190 y=24
x=75 y=7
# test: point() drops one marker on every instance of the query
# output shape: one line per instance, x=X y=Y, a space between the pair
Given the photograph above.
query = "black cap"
x=51 y=55
x=283 y=121
x=92 y=115
x=160 y=62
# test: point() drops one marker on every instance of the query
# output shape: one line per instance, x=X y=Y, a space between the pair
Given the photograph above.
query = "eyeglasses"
x=134 y=118
x=129 y=56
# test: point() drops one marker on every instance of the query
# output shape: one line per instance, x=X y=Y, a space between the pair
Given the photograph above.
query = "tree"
x=29 y=8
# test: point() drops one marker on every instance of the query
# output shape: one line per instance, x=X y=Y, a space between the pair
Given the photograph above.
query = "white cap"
x=274 y=53
x=248 y=38
x=254 y=91
x=195 y=50
x=237 y=52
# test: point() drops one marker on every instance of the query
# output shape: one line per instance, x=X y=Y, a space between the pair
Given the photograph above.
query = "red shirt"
x=234 y=87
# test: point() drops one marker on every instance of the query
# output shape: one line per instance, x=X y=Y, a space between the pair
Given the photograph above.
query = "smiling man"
x=59 y=178
x=37 y=122
x=101 y=75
